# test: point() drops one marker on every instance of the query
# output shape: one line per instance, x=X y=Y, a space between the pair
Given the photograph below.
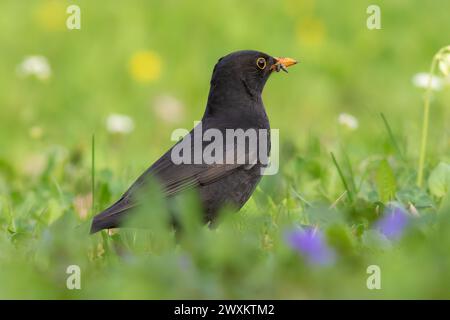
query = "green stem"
x=93 y=173
x=426 y=117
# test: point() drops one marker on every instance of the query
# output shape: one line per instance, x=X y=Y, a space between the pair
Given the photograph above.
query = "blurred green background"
x=137 y=70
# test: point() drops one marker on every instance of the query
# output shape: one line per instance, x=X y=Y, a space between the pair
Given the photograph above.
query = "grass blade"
x=344 y=182
x=392 y=138
x=351 y=176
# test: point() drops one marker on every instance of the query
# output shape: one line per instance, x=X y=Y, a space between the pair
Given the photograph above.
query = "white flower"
x=119 y=123
x=348 y=121
x=422 y=80
x=37 y=66
x=168 y=108
x=444 y=64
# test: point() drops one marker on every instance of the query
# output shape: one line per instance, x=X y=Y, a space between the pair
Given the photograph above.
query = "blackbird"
x=234 y=102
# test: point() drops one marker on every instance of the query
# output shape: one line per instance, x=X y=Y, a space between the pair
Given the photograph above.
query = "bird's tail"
x=99 y=223
x=109 y=218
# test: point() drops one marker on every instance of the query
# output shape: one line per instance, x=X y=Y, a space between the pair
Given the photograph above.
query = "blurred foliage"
x=152 y=61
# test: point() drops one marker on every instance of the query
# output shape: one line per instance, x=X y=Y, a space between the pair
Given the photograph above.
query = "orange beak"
x=283 y=64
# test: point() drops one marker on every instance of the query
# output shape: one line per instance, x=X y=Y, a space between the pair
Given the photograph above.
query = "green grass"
x=51 y=167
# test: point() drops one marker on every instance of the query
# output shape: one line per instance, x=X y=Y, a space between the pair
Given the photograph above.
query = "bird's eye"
x=261 y=63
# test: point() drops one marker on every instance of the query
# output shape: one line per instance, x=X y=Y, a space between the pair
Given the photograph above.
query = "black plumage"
x=234 y=102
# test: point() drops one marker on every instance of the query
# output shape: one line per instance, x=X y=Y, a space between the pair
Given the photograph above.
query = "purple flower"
x=312 y=245
x=393 y=223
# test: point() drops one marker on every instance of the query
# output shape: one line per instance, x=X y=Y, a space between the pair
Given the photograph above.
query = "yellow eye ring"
x=261 y=63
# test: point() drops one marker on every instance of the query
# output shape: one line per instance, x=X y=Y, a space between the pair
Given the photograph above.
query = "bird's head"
x=249 y=69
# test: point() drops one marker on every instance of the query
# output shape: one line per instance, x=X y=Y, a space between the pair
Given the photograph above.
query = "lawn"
x=352 y=213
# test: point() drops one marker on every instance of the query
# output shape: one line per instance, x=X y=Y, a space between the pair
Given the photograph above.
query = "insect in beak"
x=283 y=64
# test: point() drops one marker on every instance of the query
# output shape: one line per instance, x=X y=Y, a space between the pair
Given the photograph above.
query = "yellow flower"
x=51 y=15
x=145 y=66
x=36 y=132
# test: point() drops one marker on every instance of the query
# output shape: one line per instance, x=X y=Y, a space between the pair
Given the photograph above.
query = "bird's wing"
x=175 y=178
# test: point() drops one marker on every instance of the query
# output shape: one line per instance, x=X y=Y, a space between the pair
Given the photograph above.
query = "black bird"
x=234 y=102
